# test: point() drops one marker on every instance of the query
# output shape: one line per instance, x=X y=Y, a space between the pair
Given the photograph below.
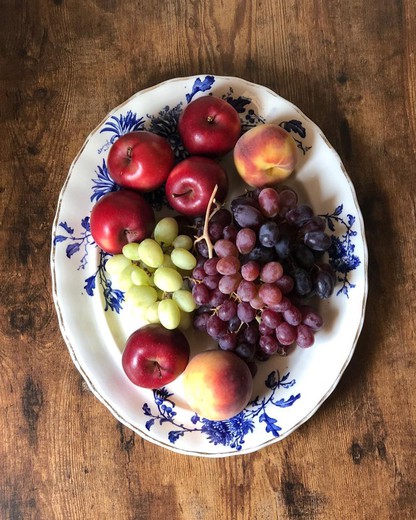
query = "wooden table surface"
x=351 y=67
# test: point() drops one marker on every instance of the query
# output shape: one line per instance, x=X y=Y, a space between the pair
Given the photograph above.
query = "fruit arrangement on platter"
x=244 y=271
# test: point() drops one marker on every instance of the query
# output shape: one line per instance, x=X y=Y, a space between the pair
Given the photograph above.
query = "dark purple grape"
x=230 y=233
x=323 y=284
x=259 y=254
x=243 y=201
x=216 y=327
x=210 y=265
x=245 y=351
x=234 y=324
x=227 y=310
x=283 y=246
x=317 y=240
x=286 y=283
x=202 y=248
x=251 y=334
x=216 y=298
x=299 y=215
x=264 y=329
x=245 y=312
x=316 y=223
x=200 y=321
x=215 y=230
x=198 y=273
x=288 y=197
x=303 y=282
x=222 y=216
x=303 y=256
x=201 y=294
x=228 y=341
x=212 y=281
x=248 y=216
x=269 y=234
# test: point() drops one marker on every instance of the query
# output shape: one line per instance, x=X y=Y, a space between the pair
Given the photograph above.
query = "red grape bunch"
x=259 y=265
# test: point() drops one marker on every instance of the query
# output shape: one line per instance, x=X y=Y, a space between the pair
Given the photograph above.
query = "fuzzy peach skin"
x=217 y=384
x=265 y=155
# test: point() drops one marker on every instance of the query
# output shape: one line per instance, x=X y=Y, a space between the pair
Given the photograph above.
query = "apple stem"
x=177 y=195
x=205 y=234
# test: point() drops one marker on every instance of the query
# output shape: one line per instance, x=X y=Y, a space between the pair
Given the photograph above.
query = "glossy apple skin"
x=191 y=183
x=120 y=217
x=209 y=126
x=140 y=160
x=265 y=155
x=217 y=384
x=154 y=356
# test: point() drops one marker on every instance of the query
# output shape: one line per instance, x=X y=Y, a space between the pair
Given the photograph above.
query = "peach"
x=217 y=384
x=265 y=155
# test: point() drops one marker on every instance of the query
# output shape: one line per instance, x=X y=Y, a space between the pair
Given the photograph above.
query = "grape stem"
x=205 y=234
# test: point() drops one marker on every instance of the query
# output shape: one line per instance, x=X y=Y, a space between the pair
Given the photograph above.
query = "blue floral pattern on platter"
x=232 y=432
x=283 y=401
x=341 y=254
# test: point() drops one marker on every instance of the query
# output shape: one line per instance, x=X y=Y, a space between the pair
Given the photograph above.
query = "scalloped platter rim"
x=287 y=390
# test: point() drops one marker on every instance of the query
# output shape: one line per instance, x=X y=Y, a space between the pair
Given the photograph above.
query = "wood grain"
x=350 y=66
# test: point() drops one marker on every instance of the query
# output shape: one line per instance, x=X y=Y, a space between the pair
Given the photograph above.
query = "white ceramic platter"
x=287 y=390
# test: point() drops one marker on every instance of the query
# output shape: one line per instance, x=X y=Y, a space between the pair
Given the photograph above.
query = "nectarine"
x=217 y=384
x=265 y=155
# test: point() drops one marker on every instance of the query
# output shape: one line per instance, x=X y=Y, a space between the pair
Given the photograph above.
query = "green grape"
x=131 y=251
x=141 y=295
x=139 y=276
x=168 y=279
x=185 y=321
x=169 y=314
x=166 y=231
x=124 y=281
x=185 y=300
x=183 y=241
x=152 y=313
x=167 y=261
x=183 y=259
x=116 y=264
x=150 y=253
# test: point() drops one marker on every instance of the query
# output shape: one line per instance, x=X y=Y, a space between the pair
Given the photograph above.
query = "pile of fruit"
x=244 y=275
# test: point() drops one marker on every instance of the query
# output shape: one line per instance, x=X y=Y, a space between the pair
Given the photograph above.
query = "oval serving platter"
x=287 y=390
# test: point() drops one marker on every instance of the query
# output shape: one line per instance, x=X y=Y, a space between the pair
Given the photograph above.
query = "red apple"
x=209 y=126
x=120 y=217
x=154 y=356
x=191 y=183
x=140 y=160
